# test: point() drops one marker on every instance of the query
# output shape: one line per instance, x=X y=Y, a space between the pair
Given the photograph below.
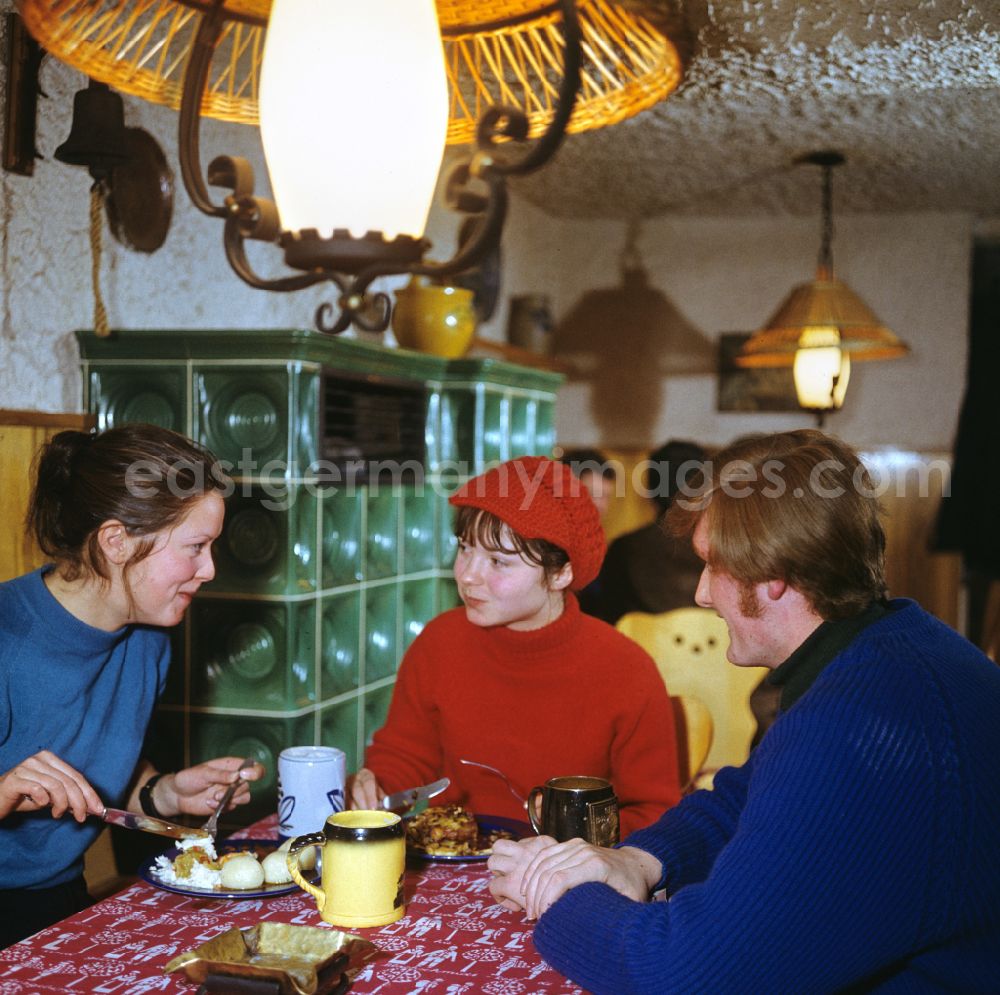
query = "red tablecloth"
x=453 y=939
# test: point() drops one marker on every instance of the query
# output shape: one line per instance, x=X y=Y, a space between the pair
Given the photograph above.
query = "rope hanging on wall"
x=96 y=222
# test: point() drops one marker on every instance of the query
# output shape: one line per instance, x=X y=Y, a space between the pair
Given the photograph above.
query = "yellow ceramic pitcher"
x=434 y=319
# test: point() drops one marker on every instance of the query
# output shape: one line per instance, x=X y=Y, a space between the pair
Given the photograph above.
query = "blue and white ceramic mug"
x=310 y=788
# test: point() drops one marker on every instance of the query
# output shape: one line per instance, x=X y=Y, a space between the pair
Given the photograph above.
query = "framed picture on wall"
x=755 y=389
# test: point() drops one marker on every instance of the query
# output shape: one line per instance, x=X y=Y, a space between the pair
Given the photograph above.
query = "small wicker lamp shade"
x=824 y=314
x=825 y=302
x=501 y=52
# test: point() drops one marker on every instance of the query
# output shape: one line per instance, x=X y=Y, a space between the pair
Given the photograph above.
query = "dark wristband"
x=146 y=802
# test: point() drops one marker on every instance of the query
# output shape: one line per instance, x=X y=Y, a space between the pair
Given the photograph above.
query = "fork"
x=501 y=775
x=211 y=825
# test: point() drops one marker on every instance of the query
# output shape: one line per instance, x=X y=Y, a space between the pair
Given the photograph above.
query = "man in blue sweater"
x=859 y=847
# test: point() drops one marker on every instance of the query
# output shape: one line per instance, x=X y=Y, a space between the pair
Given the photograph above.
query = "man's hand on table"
x=508 y=863
x=532 y=874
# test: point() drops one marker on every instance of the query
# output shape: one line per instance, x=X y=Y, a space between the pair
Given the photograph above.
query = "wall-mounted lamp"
x=356 y=102
x=22 y=61
x=821 y=326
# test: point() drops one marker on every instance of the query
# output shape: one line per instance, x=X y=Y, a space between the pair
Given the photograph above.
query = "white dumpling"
x=276 y=868
x=307 y=857
x=242 y=873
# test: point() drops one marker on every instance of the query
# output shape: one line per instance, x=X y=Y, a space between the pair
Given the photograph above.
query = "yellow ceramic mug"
x=364 y=855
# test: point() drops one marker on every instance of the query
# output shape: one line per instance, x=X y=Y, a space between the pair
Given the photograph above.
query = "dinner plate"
x=262 y=847
x=487 y=824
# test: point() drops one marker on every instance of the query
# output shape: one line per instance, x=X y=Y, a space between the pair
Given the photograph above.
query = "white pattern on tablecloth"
x=454 y=940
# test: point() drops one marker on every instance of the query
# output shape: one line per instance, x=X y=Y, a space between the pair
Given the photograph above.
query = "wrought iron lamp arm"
x=484 y=238
x=491 y=166
x=189 y=141
x=492 y=211
x=371 y=312
x=492 y=208
x=247 y=216
x=234 y=241
x=510 y=122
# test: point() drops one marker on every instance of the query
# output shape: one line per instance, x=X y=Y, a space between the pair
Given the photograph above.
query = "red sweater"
x=574 y=697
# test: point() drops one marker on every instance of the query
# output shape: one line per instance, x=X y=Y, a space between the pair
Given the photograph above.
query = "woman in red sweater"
x=519 y=678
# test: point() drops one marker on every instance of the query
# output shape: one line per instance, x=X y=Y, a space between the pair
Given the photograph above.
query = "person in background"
x=518 y=678
x=648 y=570
x=128 y=517
x=596 y=472
x=856 y=849
x=600 y=476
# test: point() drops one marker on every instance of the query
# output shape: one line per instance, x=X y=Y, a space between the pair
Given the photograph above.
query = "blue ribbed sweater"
x=859 y=847
x=83 y=693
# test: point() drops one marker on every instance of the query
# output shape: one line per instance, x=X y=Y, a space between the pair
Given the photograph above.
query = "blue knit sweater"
x=859 y=847
x=83 y=693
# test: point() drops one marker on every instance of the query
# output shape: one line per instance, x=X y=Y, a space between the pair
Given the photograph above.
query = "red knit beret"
x=540 y=498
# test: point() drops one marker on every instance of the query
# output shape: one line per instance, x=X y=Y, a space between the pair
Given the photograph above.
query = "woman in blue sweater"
x=128 y=517
x=857 y=849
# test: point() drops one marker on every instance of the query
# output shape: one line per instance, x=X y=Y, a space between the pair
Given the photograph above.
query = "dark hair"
x=670 y=469
x=589 y=461
x=141 y=475
x=492 y=532
x=797 y=506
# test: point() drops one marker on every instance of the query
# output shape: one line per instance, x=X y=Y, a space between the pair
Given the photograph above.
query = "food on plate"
x=307 y=857
x=442 y=825
x=450 y=830
x=241 y=872
x=275 y=867
x=198 y=865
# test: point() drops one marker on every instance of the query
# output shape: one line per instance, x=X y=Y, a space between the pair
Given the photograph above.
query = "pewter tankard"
x=576 y=806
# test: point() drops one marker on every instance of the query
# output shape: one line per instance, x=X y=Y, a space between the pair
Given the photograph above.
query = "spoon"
x=211 y=825
x=500 y=774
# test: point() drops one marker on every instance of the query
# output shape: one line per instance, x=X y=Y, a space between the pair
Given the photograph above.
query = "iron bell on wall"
x=97 y=136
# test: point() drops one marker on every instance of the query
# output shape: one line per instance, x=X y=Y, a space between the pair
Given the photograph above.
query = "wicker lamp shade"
x=822 y=303
x=824 y=315
x=502 y=52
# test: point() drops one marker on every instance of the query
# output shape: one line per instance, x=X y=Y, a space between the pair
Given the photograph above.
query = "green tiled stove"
x=329 y=563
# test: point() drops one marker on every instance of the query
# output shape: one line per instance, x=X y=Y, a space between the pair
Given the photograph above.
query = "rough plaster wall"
x=45 y=253
x=718 y=274
x=729 y=275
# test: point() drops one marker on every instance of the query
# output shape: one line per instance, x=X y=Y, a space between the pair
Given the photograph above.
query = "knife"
x=135 y=820
x=402 y=801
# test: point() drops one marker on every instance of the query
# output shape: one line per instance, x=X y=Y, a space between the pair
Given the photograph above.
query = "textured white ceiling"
x=907 y=90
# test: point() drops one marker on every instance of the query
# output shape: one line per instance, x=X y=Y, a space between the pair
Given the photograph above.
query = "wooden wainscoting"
x=912 y=485
x=21 y=435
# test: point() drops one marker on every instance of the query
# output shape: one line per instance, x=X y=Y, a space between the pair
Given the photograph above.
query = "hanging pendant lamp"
x=501 y=52
x=356 y=102
x=821 y=326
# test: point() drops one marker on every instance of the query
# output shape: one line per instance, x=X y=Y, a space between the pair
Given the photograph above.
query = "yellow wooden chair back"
x=693 y=722
x=689 y=646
